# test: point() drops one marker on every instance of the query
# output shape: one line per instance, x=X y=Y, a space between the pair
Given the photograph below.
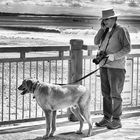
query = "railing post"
x=75 y=68
x=22 y=55
x=76 y=60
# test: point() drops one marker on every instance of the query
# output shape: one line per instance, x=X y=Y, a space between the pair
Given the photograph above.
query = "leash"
x=81 y=78
x=85 y=75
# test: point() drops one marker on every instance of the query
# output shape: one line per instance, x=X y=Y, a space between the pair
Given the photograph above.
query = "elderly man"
x=114 y=41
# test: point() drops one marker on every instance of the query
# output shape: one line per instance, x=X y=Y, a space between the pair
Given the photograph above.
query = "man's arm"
x=126 y=44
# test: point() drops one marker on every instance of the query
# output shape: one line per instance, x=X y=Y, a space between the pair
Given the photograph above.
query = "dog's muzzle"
x=24 y=91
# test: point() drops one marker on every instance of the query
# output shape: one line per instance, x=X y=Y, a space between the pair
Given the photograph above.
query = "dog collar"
x=34 y=86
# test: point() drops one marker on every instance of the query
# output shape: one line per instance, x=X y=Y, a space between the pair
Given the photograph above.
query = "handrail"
x=51 y=48
x=24 y=50
x=94 y=47
x=34 y=49
x=60 y=49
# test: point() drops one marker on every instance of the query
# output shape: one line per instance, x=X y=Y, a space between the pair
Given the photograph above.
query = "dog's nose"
x=20 y=87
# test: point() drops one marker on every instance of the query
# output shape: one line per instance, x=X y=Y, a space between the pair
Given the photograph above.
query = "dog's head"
x=28 y=86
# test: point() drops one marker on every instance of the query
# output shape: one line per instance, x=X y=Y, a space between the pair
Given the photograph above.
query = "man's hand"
x=103 y=25
x=111 y=57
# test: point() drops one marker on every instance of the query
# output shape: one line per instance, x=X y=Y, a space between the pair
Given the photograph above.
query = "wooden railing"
x=53 y=64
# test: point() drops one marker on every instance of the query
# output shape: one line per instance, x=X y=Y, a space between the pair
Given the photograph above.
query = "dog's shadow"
x=62 y=136
x=73 y=136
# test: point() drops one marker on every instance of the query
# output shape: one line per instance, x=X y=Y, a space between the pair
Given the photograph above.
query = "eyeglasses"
x=107 y=19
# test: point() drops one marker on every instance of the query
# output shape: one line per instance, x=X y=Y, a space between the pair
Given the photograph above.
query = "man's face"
x=109 y=22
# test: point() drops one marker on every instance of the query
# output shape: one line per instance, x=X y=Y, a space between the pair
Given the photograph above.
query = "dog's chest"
x=43 y=103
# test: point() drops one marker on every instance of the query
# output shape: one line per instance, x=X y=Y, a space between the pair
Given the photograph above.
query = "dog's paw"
x=51 y=134
x=89 y=134
x=79 y=132
x=45 y=137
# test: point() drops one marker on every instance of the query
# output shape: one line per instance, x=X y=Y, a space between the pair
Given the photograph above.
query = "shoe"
x=103 y=123
x=115 y=124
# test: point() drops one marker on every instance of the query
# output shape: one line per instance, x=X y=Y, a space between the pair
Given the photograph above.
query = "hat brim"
x=108 y=17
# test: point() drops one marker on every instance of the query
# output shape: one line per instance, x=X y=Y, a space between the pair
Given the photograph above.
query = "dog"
x=51 y=97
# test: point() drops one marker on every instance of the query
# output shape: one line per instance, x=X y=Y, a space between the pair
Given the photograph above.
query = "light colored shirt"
x=119 y=45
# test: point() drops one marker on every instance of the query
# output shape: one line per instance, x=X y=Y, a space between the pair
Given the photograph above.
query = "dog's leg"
x=48 y=115
x=77 y=113
x=53 y=123
x=86 y=114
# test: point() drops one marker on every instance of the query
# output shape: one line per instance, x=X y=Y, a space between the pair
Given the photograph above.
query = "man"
x=114 y=40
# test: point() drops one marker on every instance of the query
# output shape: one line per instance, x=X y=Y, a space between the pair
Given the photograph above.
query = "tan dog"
x=52 y=97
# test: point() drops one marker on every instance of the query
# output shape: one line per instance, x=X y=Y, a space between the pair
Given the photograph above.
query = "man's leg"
x=116 y=81
x=107 y=101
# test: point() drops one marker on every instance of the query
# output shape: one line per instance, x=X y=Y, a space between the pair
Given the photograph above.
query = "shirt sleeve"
x=98 y=36
x=124 y=38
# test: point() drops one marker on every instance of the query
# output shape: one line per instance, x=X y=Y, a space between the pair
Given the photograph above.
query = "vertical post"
x=22 y=54
x=75 y=69
x=76 y=60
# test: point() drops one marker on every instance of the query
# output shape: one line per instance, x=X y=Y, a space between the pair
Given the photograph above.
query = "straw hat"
x=108 y=14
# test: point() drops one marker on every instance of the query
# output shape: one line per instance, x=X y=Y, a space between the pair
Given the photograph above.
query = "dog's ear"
x=29 y=84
